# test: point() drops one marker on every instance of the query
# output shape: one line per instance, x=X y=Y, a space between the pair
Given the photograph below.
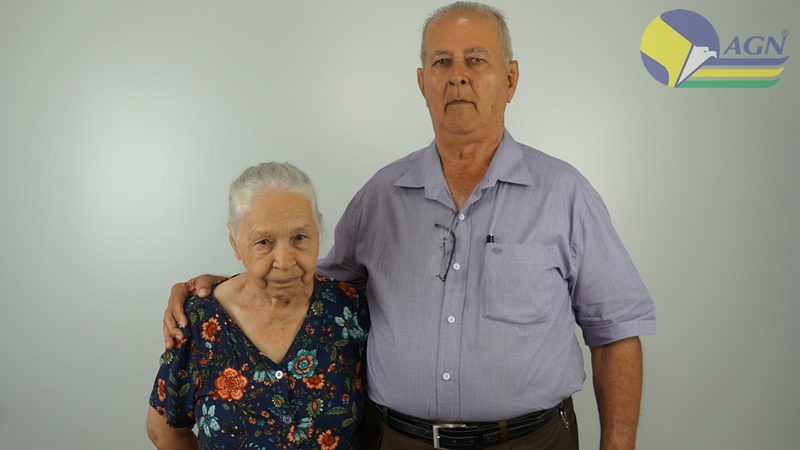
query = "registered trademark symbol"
x=785 y=33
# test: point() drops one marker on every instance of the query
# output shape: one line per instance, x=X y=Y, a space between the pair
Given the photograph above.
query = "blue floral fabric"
x=240 y=399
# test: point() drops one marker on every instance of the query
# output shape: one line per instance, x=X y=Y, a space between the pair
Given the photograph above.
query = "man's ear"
x=233 y=242
x=513 y=79
x=421 y=80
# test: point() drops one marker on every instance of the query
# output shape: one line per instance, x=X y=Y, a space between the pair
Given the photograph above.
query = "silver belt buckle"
x=436 y=428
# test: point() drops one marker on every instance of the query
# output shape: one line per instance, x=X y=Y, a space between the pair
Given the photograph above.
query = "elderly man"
x=478 y=256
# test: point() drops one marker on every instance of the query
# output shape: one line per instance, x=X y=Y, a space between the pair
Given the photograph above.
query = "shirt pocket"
x=520 y=284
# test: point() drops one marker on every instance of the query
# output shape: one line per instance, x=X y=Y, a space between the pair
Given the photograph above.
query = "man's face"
x=464 y=81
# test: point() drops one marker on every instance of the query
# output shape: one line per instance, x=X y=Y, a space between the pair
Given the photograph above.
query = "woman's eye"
x=263 y=242
x=300 y=237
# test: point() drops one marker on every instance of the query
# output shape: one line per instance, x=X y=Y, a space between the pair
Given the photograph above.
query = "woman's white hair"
x=505 y=35
x=269 y=176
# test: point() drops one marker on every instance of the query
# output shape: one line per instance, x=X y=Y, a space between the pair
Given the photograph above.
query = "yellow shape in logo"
x=667 y=47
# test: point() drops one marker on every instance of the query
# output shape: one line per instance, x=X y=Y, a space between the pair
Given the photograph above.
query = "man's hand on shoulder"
x=174 y=319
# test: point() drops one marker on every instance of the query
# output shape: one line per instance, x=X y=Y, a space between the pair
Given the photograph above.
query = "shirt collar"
x=507 y=165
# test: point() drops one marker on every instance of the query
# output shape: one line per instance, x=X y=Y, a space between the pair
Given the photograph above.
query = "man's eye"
x=475 y=59
x=441 y=62
x=263 y=242
x=300 y=237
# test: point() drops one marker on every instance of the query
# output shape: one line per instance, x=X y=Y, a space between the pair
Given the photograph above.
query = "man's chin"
x=460 y=128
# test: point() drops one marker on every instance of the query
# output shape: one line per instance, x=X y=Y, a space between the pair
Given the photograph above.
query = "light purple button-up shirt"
x=496 y=340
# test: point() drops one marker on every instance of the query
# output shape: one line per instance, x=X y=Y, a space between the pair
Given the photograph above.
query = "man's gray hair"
x=269 y=176
x=505 y=35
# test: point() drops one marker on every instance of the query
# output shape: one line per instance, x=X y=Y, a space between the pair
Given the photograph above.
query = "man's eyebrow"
x=439 y=53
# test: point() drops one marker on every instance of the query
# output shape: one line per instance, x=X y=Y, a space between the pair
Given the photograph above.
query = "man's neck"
x=465 y=161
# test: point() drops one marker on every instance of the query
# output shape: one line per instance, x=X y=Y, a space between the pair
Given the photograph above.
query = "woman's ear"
x=233 y=242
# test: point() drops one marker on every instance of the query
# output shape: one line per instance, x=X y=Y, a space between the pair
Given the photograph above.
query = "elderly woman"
x=273 y=358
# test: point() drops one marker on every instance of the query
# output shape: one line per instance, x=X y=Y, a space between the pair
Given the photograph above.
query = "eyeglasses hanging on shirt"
x=445 y=268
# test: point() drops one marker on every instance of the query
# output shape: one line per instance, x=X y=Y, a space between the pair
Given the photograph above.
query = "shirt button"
x=278 y=374
x=456 y=266
x=461 y=217
x=451 y=319
x=287 y=419
x=446 y=375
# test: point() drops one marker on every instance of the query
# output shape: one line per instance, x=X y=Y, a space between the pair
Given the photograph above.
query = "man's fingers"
x=203 y=284
x=180 y=293
x=172 y=334
x=174 y=318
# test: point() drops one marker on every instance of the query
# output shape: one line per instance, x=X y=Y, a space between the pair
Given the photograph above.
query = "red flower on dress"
x=315 y=382
x=348 y=290
x=209 y=328
x=161 y=395
x=359 y=380
x=294 y=437
x=328 y=441
x=290 y=380
x=230 y=384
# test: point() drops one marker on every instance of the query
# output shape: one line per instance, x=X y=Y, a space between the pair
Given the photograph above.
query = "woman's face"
x=278 y=243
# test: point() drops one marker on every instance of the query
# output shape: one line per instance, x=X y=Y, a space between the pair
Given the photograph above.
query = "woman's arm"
x=165 y=437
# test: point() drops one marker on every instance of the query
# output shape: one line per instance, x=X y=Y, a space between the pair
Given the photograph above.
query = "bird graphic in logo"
x=676 y=44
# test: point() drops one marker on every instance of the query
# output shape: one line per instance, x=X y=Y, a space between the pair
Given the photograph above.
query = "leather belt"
x=466 y=435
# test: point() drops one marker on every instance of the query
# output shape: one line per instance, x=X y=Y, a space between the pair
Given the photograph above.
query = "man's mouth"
x=459 y=102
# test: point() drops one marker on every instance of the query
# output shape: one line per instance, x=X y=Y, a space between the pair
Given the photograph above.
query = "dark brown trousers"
x=554 y=435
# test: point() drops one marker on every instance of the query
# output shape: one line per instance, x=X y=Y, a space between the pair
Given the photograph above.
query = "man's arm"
x=165 y=437
x=341 y=262
x=174 y=314
x=617 y=379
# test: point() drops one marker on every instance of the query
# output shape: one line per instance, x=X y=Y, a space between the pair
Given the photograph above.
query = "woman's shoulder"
x=200 y=306
x=328 y=286
x=198 y=310
x=342 y=302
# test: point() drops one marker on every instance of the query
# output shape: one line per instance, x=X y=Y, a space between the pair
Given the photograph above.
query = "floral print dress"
x=240 y=399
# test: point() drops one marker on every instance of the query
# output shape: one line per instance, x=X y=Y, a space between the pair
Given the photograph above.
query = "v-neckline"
x=253 y=347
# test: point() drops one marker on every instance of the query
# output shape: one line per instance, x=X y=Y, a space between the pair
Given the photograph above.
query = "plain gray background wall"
x=122 y=124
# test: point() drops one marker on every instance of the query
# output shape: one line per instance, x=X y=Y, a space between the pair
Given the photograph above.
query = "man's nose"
x=458 y=74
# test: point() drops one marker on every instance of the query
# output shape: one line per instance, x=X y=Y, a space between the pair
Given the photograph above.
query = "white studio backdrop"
x=122 y=124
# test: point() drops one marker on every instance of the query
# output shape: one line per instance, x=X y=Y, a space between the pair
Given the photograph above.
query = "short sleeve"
x=610 y=299
x=341 y=262
x=174 y=390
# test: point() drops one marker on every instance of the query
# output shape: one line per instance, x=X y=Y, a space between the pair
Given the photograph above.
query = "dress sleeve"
x=174 y=390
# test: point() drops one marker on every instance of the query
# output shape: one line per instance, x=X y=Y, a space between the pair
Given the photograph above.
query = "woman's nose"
x=284 y=257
